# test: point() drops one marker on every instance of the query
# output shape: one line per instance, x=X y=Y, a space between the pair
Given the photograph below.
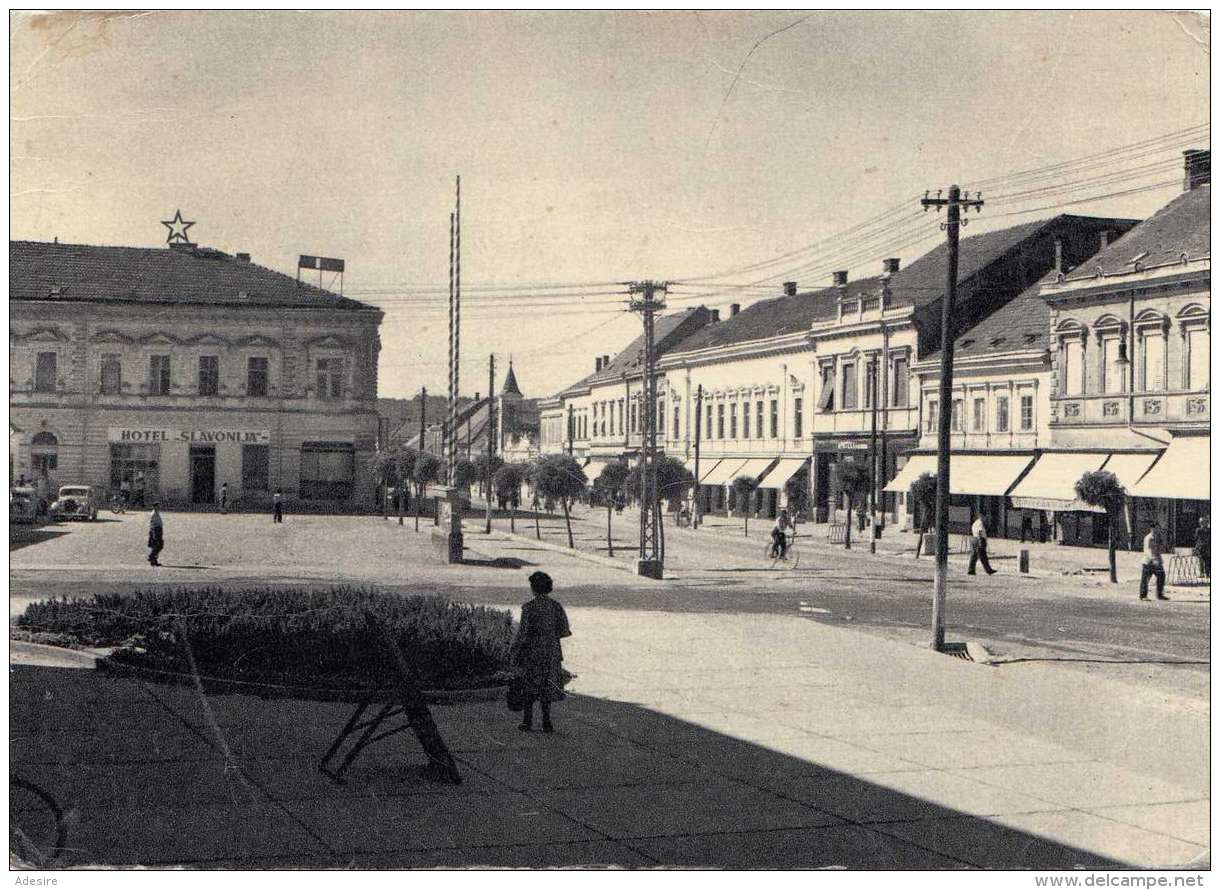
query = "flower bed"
x=285 y=636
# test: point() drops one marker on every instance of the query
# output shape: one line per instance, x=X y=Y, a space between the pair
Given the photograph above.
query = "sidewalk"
x=690 y=739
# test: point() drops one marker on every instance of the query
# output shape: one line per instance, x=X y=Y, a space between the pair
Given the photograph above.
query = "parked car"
x=23 y=505
x=75 y=502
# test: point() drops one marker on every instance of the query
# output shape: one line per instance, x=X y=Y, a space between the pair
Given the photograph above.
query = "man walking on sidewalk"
x=224 y=497
x=1203 y=545
x=156 y=536
x=277 y=503
x=978 y=547
x=1154 y=546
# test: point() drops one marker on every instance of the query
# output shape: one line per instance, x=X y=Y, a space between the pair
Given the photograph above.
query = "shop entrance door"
x=203 y=474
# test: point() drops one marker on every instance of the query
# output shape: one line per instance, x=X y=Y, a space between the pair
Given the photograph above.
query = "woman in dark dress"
x=536 y=652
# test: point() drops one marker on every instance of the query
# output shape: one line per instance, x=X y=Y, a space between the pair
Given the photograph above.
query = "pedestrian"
x=156 y=536
x=978 y=547
x=224 y=497
x=536 y=653
x=1203 y=545
x=1154 y=547
x=1027 y=527
x=21 y=481
x=277 y=506
x=861 y=519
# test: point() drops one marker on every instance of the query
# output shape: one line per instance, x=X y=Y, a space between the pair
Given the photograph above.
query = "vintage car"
x=23 y=505
x=75 y=502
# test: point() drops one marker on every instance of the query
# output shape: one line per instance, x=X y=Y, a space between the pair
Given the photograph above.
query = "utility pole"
x=889 y=266
x=571 y=431
x=491 y=431
x=875 y=490
x=955 y=202
x=698 y=417
x=423 y=431
x=457 y=323
x=644 y=300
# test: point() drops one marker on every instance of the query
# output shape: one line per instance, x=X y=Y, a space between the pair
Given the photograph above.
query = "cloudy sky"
x=593 y=147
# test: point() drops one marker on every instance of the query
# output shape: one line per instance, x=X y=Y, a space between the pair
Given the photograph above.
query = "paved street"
x=1081 y=622
x=733 y=714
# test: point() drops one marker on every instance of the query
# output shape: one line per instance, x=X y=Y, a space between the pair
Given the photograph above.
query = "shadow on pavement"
x=141 y=774
x=20 y=536
x=499 y=562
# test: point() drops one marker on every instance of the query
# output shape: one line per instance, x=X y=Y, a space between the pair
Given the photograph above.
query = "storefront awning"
x=1051 y=484
x=983 y=474
x=1129 y=468
x=916 y=466
x=706 y=465
x=782 y=472
x=1183 y=472
x=755 y=466
x=724 y=472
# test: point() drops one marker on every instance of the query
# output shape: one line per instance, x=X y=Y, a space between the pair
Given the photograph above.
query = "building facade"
x=171 y=372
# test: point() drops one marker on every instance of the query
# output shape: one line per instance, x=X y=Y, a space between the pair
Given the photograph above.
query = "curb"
x=82 y=657
x=556 y=548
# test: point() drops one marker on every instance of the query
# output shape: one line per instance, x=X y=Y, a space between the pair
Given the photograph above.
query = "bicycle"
x=791 y=558
x=38 y=828
x=118 y=503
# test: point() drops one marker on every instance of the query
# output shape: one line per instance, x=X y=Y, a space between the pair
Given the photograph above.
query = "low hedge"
x=288 y=636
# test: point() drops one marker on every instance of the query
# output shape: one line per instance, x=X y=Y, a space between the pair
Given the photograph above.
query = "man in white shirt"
x=1154 y=567
x=978 y=548
x=779 y=538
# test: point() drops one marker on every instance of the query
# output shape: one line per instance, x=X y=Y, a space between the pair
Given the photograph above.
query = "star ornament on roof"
x=177 y=228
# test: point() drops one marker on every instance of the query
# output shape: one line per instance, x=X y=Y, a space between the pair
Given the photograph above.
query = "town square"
x=759 y=477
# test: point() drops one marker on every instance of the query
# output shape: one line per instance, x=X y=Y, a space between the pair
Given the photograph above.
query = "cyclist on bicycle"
x=779 y=535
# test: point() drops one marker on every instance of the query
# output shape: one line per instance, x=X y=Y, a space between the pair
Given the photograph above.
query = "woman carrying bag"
x=537 y=655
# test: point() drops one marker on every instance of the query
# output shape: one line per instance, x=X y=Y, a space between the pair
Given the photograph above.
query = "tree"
x=744 y=487
x=465 y=473
x=855 y=481
x=797 y=491
x=427 y=469
x=531 y=476
x=507 y=483
x=383 y=467
x=559 y=477
x=1101 y=488
x=485 y=474
x=609 y=486
x=923 y=499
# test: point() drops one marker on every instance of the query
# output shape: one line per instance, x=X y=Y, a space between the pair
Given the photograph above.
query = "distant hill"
x=400 y=411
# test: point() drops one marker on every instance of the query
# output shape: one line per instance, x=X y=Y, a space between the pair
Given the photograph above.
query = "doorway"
x=203 y=474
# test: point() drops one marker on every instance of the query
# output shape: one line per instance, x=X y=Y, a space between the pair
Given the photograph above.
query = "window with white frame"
x=733 y=421
x=1112 y=376
x=931 y=423
x=849 y=399
x=1198 y=341
x=745 y=419
x=1001 y=414
x=1152 y=360
x=1072 y=352
x=979 y=420
x=1027 y=413
x=901 y=382
x=956 y=425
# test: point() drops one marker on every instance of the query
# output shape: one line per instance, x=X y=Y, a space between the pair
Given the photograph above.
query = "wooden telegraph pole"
x=491 y=432
x=651 y=562
x=423 y=438
x=955 y=202
x=698 y=417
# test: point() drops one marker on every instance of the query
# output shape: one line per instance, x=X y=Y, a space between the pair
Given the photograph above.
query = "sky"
x=594 y=148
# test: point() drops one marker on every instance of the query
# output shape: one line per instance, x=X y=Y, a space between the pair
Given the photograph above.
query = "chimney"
x=597 y=363
x=605 y=362
x=789 y=288
x=1059 y=255
x=715 y=315
x=476 y=397
x=242 y=257
x=734 y=309
x=840 y=278
x=890 y=266
x=1198 y=168
x=1105 y=238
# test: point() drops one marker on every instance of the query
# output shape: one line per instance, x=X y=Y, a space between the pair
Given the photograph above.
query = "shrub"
x=288 y=636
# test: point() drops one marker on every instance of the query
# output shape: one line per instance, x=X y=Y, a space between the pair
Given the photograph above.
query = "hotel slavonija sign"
x=194 y=437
